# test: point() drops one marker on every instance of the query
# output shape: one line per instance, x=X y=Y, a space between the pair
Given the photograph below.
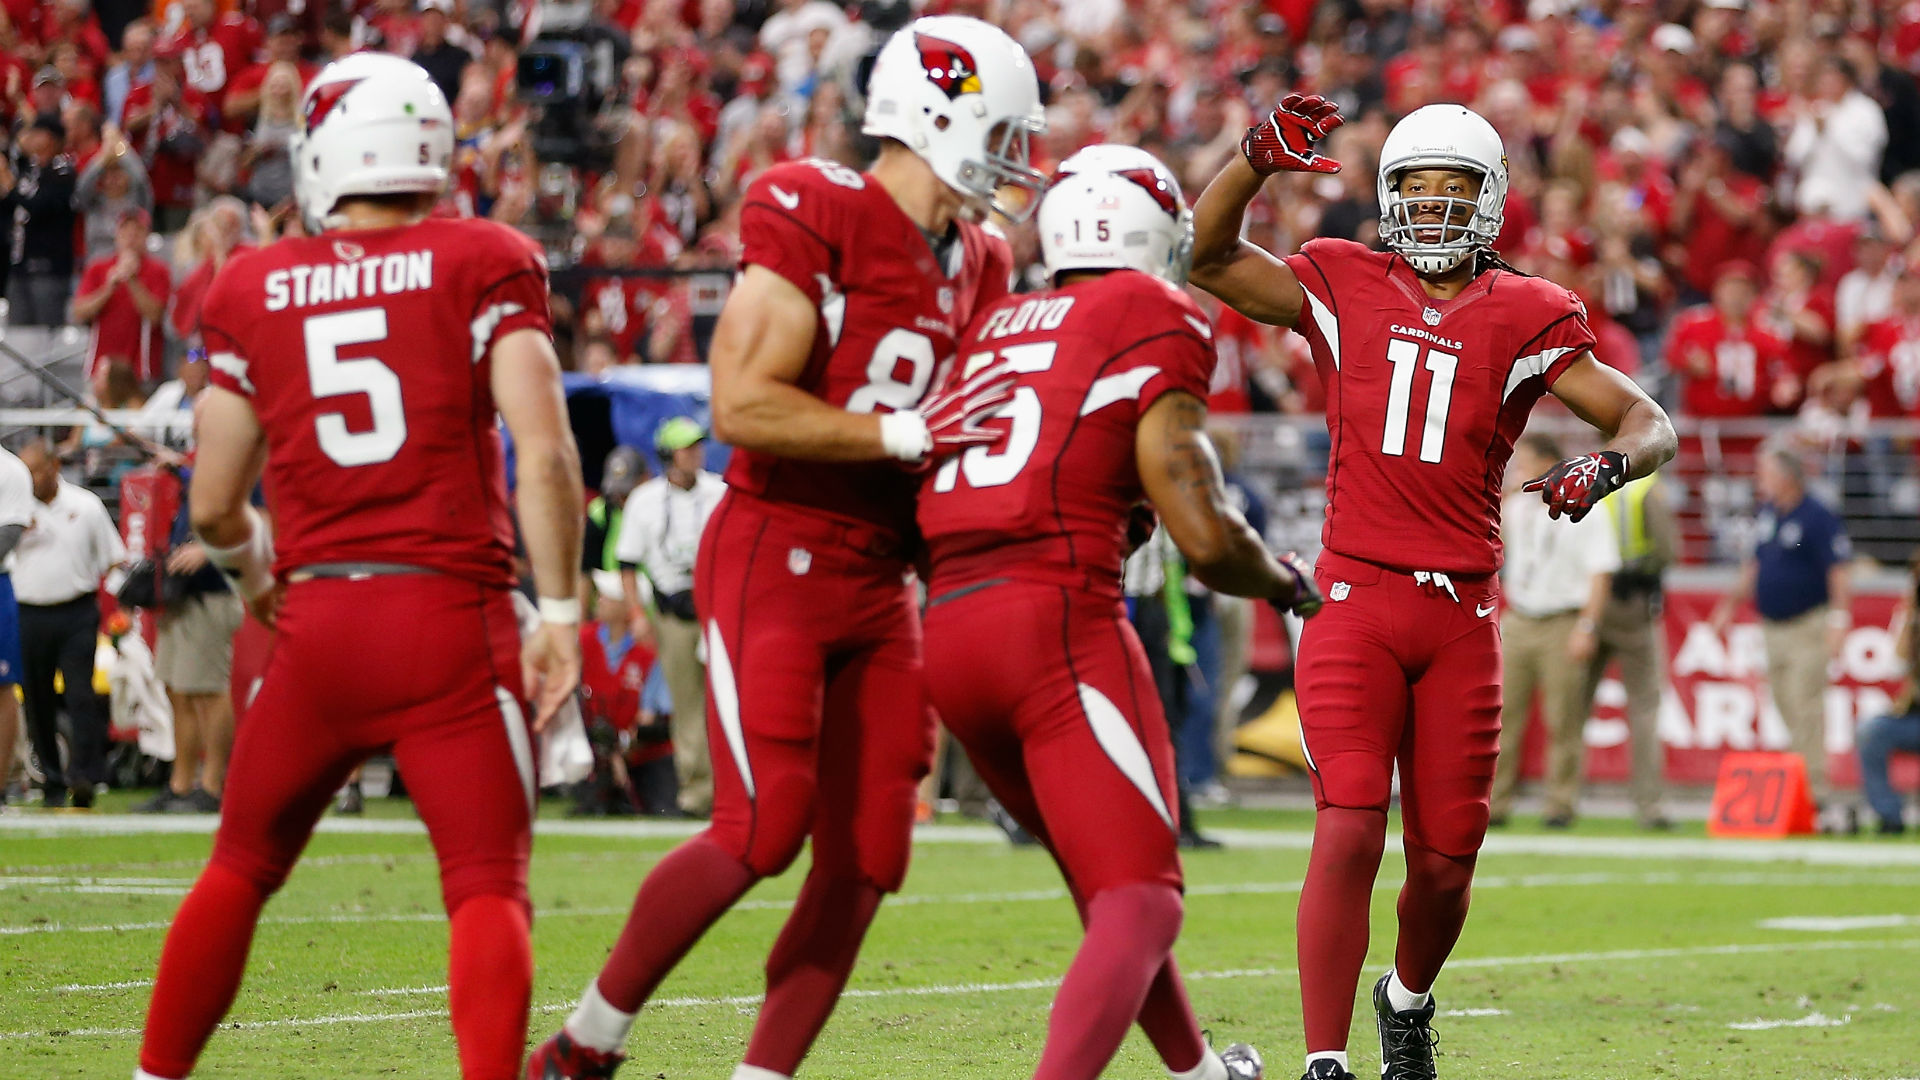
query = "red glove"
x=1575 y=486
x=1283 y=142
x=1307 y=600
x=952 y=419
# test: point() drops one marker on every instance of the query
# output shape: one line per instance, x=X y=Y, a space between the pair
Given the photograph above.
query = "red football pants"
x=1049 y=691
x=425 y=664
x=1393 y=670
x=816 y=706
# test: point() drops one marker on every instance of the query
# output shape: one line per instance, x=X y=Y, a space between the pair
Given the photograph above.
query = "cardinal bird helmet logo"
x=324 y=98
x=948 y=66
x=1156 y=186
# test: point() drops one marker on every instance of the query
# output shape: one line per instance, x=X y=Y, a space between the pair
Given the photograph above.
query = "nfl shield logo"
x=1432 y=316
x=1339 y=591
x=945 y=299
x=348 y=251
x=799 y=560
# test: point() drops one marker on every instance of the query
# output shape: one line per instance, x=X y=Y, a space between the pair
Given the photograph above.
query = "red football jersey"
x=1425 y=400
x=216 y=54
x=1890 y=364
x=1728 y=372
x=368 y=358
x=1049 y=502
x=890 y=318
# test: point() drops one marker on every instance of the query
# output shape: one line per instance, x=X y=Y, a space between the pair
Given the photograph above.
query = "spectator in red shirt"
x=75 y=78
x=1716 y=218
x=242 y=103
x=1729 y=362
x=214 y=47
x=1799 y=311
x=214 y=234
x=1887 y=365
x=72 y=21
x=123 y=296
x=166 y=120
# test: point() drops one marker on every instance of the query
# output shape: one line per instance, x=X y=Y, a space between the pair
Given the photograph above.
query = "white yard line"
x=1811 y=1020
x=1834 y=924
x=1808 y=851
x=1253 y=888
x=1615 y=956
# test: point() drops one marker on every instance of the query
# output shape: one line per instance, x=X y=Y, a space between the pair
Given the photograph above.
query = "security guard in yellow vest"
x=1643 y=522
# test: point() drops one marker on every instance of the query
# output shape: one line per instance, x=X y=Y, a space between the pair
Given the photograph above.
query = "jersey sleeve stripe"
x=230 y=365
x=1328 y=325
x=1125 y=386
x=1527 y=367
x=487 y=322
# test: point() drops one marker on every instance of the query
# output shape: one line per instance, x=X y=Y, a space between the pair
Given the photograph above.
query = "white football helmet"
x=1116 y=207
x=963 y=96
x=1442 y=137
x=373 y=124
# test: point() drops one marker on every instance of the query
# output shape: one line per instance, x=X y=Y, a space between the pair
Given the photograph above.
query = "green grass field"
x=1599 y=954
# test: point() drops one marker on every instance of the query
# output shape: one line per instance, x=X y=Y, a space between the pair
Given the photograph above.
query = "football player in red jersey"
x=362 y=367
x=855 y=290
x=1031 y=661
x=1433 y=354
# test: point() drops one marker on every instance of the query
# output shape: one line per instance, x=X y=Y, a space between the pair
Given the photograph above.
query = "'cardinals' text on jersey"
x=368 y=358
x=1049 y=502
x=1425 y=399
x=890 y=318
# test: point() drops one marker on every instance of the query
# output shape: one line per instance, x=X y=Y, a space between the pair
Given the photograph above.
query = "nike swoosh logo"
x=1482 y=612
x=784 y=198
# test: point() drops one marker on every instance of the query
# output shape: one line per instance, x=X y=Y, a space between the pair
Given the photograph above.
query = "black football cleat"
x=1243 y=1062
x=1406 y=1038
x=560 y=1058
x=1326 y=1069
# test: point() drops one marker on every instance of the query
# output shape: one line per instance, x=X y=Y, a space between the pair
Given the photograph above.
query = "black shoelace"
x=1411 y=1047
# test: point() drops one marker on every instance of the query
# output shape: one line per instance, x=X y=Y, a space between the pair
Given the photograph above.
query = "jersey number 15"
x=983 y=466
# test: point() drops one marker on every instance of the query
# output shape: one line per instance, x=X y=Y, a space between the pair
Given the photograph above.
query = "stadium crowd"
x=1733 y=187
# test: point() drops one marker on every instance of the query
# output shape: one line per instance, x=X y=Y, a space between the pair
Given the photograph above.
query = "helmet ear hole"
x=941 y=123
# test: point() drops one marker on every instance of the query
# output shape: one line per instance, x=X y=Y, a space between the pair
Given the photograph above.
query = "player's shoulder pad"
x=812 y=191
x=1141 y=305
x=1326 y=250
x=486 y=243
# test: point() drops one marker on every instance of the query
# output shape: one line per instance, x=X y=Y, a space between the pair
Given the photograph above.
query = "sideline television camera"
x=569 y=74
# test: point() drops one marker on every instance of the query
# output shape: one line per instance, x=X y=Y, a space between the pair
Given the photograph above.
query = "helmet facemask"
x=1004 y=180
x=1467 y=224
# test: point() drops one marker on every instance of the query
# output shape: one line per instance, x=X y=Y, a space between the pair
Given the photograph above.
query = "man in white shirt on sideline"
x=1556 y=581
x=16 y=513
x=660 y=531
x=64 y=554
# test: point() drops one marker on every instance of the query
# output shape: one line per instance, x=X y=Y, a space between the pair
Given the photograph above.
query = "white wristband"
x=904 y=435
x=564 y=611
x=249 y=562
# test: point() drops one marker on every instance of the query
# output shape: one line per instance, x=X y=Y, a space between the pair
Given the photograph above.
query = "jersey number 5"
x=1404 y=355
x=985 y=467
x=331 y=376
